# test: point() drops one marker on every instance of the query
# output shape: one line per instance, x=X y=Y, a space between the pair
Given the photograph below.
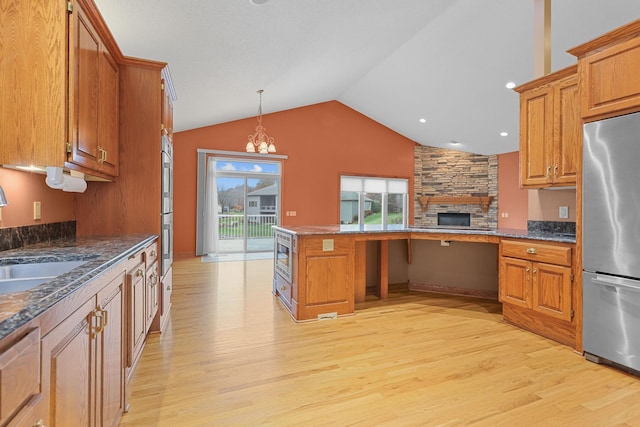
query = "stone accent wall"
x=443 y=172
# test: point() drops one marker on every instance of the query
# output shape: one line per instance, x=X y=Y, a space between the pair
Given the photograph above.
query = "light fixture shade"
x=260 y=141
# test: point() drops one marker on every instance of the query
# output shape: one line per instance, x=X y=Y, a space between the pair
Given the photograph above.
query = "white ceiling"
x=395 y=61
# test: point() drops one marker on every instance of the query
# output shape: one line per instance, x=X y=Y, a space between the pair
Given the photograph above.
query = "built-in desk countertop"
x=491 y=235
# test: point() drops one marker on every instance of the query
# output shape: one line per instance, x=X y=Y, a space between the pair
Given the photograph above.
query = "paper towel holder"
x=58 y=180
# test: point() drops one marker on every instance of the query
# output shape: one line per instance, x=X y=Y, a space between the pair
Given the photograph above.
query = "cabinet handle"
x=139 y=272
x=102 y=155
x=548 y=171
x=168 y=287
x=153 y=278
x=528 y=269
x=555 y=170
x=283 y=288
x=97 y=322
x=535 y=270
x=105 y=315
x=531 y=250
x=39 y=423
x=153 y=253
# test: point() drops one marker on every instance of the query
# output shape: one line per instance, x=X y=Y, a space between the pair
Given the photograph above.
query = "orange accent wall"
x=24 y=188
x=512 y=200
x=322 y=142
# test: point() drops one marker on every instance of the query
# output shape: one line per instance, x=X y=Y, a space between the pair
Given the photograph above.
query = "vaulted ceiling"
x=395 y=61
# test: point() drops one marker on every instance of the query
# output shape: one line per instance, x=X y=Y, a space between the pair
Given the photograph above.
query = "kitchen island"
x=321 y=271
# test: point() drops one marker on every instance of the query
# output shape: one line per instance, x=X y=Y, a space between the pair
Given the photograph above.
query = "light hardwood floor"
x=232 y=356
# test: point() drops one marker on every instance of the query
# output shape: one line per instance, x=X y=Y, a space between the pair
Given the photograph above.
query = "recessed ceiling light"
x=504 y=134
x=423 y=120
x=452 y=142
x=258 y=2
x=510 y=85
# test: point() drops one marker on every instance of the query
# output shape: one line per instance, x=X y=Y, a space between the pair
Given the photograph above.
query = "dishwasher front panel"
x=611 y=318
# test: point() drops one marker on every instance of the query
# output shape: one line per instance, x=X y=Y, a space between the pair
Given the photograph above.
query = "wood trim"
x=485 y=201
x=383 y=269
x=549 y=78
x=540 y=324
x=620 y=34
x=452 y=290
x=360 y=277
x=143 y=63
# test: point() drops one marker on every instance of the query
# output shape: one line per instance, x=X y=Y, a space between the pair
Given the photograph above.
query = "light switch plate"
x=563 y=212
x=327 y=245
x=37 y=210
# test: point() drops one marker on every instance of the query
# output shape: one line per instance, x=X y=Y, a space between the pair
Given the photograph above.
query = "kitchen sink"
x=22 y=277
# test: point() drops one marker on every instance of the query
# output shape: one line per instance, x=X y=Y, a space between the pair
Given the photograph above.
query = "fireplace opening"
x=454 y=219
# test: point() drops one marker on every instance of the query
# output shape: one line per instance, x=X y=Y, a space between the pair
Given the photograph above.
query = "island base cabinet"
x=325 y=282
x=82 y=363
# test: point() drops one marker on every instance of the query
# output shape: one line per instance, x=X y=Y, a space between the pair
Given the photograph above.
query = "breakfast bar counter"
x=321 y=271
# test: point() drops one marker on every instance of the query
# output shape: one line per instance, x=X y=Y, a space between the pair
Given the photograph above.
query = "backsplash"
x=17 y=237
x=443 y=172
x=552 y=226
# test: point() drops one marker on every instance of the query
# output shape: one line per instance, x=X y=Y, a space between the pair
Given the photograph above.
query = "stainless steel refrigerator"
x=611 y=241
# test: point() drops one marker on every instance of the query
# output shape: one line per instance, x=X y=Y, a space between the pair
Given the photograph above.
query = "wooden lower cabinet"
x=323 y=278
x=136 y=317
x=536 y=288
x=82 y=362
x=151 y=296
x=20 y=381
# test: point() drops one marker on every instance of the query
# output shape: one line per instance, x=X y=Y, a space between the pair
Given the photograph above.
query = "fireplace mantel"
x=484 y=201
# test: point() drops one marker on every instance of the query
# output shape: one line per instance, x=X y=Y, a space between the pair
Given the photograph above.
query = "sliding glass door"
x=247 y=200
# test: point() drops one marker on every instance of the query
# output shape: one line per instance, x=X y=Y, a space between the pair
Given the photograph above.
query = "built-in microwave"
x=283 y=251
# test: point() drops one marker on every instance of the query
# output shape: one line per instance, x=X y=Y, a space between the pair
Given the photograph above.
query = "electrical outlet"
x=563 y=212
x=444 y=243
x=37 y=210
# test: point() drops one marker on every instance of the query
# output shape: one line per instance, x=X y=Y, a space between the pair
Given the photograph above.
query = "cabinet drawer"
x=327 y=245
x=552 y=254
x=19 y=374
x=151 y=253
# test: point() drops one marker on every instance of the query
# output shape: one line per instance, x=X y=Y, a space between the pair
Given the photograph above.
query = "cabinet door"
x=610 y=80
x=110 y=354
x=84 y=55
x=515 y=282
x=536 y=133
x=33 y=72
x=152 y=294
x=552 y=290
x=67 y=366
x=136 y=315
x=108 y=119
x=569 y=132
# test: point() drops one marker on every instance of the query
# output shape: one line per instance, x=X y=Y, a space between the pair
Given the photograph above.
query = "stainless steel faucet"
x=3 y=198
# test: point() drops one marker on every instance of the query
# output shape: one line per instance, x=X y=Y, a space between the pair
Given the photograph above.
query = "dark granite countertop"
x=304 y=230
x=101 y=253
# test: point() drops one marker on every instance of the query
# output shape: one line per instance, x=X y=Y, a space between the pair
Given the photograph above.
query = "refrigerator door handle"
x=617 y=281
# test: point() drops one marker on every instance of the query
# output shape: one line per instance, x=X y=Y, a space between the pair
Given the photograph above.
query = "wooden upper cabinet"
x=550 y=130
x=33 y=83
x=60 y=86
x=93 y=101
x=167 y=111
x=609 y=67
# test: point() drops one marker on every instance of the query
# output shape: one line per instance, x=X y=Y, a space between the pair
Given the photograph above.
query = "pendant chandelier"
x=260 y=142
